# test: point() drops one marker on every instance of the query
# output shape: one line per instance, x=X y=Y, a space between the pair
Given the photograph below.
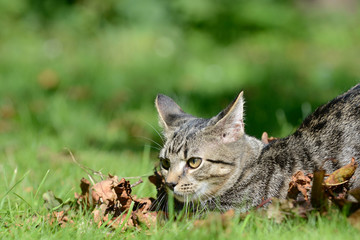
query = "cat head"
x=200 y=157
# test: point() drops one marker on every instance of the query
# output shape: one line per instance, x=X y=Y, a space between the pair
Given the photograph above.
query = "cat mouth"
x=184 y=196
x=193 y=196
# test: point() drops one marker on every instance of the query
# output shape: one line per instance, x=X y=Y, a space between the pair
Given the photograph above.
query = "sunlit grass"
x=24 y=216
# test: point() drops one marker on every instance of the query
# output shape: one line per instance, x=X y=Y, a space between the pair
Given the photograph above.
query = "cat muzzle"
x=171 y=185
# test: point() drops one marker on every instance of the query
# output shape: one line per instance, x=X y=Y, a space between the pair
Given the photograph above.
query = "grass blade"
x=127 y=215
x=19 y=181
x=171 y=206
x=26 y=202
x=2 y=198
x=41 y=183
x=244 y=223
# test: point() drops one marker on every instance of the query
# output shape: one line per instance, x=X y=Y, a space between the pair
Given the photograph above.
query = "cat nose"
x=171 y=185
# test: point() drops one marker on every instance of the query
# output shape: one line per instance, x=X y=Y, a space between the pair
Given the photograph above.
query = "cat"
x=213 y=161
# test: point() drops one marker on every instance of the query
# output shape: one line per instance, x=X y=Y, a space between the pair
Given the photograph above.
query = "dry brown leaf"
x=116 y=222
x=83 y=199
x=59 y=218
x=103 y=192
x=342 y=175
x=113 y=205
x=114 y=201
x=99 y=213
x=159 y=182
x=266 y=139
x=123 y=191
x=300 y=183
x=149 y=219
x=85 y=186
x=144 y=204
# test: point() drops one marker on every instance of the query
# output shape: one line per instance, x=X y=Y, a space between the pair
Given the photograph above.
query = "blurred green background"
x=84 y=74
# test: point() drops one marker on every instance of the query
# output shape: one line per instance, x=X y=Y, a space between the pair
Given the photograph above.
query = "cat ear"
x=230 y=122
x=170 y=114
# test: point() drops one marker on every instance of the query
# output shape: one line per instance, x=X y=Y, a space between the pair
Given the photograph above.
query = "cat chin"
x=188 y=198
x=182 y=198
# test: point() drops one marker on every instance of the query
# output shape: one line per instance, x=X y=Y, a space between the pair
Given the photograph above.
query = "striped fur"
x=239 y=171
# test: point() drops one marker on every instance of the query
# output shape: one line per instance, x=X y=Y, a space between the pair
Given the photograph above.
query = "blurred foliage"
x=85 y=73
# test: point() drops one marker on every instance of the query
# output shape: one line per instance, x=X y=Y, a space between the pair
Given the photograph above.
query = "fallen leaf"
x=342 y=175
x=123 y=191
x=266 y=139
x=124 y=221
x=157 y=180
x=85 y=186
x=103 y=192
x=112 y=205
x=300 y=183
x=113 y=202
x=144 y=204
x=149 y=219
x=61 y=218
x=161 y=195
x=84 y=199
x=99 y=213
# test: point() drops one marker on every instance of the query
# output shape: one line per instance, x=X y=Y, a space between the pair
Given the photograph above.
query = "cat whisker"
x=203 y=207
x=153 y=147
x=213 y=201
x=158 y=202
x=158 y=133
x=149 y=139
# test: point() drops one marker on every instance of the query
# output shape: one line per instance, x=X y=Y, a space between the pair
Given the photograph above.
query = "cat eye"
x=165 y=163
x=194 y=162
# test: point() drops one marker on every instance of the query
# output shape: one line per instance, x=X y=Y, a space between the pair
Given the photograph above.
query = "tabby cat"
x=213 y=162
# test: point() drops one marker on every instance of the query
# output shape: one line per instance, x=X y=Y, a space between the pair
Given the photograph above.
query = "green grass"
x=23 y=215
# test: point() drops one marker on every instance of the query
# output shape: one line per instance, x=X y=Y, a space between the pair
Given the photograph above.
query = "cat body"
x=214 y=163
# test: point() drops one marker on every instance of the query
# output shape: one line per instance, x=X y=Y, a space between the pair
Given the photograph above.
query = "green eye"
x=194 y=162
x=165 y=163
